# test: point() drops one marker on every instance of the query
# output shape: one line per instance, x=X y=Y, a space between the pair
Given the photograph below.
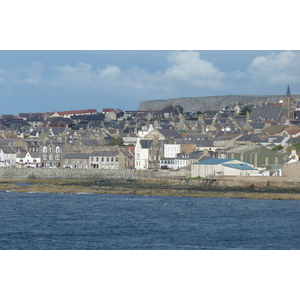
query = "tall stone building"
x=288 y=105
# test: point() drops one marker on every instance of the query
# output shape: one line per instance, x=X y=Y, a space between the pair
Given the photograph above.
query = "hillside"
x=194 y=104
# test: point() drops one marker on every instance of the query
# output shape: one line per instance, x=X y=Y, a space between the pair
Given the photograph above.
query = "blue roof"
x=213 y=161
x=239 y=166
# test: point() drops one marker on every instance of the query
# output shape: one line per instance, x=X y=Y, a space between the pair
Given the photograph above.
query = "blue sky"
x=39 y=81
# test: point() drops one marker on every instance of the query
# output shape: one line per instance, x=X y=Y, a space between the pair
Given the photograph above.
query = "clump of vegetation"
x=296 y=146
x=244 y=110
x=277 y=148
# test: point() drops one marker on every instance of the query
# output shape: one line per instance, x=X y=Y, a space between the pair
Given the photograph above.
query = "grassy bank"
x=157 y=187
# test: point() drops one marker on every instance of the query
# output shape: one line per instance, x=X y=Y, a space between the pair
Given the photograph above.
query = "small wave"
x=82 y=193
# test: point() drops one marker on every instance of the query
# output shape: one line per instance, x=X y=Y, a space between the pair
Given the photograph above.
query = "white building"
x=31 y=160
x=215 y=167
x=142 y=148
x=7 y=157
x=171 y=150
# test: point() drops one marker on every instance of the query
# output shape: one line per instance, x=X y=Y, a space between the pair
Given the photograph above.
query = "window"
x=78 y=161
x=50 y=156
x=44 y=149
x=102 y=158
x=44 y=156
x=66 y=161
x=117 y=159
x=112 y=159
x=73 y=161
x=57 y=156
x=97 y=159
x=57 y=149
x=107 y=159
x=50 y=149
x=84 y=161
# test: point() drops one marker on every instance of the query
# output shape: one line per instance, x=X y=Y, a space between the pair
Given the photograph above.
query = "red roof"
x=77 y=112
x=107 y=110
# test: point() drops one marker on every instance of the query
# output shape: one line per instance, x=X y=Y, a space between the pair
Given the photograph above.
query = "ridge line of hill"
x=193 y=104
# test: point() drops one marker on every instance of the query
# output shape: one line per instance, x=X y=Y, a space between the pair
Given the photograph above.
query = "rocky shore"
x=155 y=187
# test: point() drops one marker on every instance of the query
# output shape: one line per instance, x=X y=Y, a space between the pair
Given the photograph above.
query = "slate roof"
x=105 y=153
x=205 y=143
x=7 y=141
x=76 y=155
x=257 y=125
x=146 y=143
x=266 y=112
x=250 y=138
x=169 y=133
x=90 y=142
x=8 y=149
x=273 y=139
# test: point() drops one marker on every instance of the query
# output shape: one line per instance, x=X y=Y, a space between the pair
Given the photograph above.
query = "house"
x=8 y=156
x=226 y=167
x=275 y=141
x=51 y=153
x=109 y=159
x=148 y=154
x=76 y=160
x=115 y=114
x=226 y=140
x=30 y=160
x=142 y=149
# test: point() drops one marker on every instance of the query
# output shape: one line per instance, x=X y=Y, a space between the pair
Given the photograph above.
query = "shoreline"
x=144 y=187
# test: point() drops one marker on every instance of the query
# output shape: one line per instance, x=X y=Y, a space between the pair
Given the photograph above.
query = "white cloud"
x=274 y=69
x=187 y=66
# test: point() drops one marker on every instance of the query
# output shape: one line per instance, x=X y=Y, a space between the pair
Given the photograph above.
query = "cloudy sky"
x=39 y=81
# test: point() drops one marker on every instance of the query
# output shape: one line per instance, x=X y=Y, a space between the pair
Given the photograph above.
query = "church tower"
x=289 y=105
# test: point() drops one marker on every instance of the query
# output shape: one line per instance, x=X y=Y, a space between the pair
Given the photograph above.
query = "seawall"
x=176 y=178
x=94 y=174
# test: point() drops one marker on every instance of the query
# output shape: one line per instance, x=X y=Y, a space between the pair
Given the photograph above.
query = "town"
x=261 y=139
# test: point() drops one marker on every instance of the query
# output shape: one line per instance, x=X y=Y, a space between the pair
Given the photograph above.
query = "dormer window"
x=44 y=149
x=57 y=149
x=50 y=149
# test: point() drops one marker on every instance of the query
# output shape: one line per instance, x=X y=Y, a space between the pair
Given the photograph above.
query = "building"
x=216 y=167
x=76 y=160
x=258 y=155
x=109 y=159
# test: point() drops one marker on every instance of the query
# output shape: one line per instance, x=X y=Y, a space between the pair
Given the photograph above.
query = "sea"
x=41 y=221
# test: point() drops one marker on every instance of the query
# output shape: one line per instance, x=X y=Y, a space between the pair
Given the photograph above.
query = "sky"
x=55 y=80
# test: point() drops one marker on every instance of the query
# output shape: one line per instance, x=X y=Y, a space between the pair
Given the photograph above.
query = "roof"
x=249 y=137
x=170 y=133
x=145 y=143
x=213 y=161
x=239 y=166
x=266 y=112
x=105 y=153
x=77 y=155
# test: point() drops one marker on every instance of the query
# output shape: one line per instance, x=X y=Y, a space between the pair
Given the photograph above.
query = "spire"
x=288 y=93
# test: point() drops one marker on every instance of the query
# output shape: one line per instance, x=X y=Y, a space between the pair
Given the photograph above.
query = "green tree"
x=244 y=110
x=117 y=142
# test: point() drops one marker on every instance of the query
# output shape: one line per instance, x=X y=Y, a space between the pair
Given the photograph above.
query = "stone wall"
x=94 y=174
x=257 y=181
x=291 y=170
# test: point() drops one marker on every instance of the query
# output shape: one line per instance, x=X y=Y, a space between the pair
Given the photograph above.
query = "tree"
x=117 y=142
x=244 y=110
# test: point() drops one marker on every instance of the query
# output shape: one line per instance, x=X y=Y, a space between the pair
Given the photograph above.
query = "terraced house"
x=76 y=160
x=109 y=159
x=51 y=154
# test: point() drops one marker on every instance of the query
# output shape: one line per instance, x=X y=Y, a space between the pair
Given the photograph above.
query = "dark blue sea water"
x=95 y=221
